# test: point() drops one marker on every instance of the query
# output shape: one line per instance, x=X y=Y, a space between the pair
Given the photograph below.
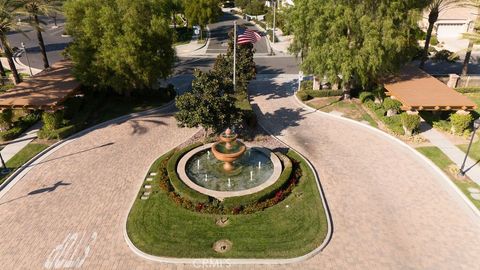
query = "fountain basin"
x=193 y=174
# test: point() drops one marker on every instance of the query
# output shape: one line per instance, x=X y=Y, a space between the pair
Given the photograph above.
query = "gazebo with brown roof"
x=419 y=91
x=44 y=91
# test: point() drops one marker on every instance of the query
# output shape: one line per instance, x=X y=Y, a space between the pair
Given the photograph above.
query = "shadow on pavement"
x=76 y=153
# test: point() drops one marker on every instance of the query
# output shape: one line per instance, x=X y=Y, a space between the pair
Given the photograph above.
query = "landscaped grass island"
x=287 y=222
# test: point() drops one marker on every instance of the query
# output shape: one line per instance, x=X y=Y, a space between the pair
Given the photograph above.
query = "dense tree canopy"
x=124 y=45
x=202 y=12
x=358 y=41
x=207 y=104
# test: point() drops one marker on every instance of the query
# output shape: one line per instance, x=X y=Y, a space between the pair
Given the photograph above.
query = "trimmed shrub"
x=443 y=125
x=306 y=85
x=392 y=104
x=303 y=95
x=52 y=120
x=250 y=118
x=434 y=40
x=11 y=133
x=445 y=56
x=472 y=89
x=410 y=122
x=180 y=187
x=394 y=123
x=269 y=192
x=6 y=117
x=460 y=122
x=324 y=93
x=365 y=96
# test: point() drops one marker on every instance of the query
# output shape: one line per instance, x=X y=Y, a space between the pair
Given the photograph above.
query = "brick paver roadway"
x=389 y=209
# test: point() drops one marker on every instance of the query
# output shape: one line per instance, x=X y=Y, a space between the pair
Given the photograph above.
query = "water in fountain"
x=241 y=177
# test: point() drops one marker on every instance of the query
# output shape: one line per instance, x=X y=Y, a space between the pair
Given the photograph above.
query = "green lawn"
x=157 y=226
x=350 y=109
x=474 y=150
x=23 y=156
x=445 y=163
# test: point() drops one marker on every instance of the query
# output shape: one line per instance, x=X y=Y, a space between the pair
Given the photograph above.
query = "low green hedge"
x=324 y=93
x=11 y=134
x=19 y=127
x=180 y=187
x=305 y=95
x=464 y=90
x=57 y=134
x=269 y=192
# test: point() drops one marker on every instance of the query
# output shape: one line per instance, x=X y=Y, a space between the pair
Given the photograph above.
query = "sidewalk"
x=193 y=47
x=471 y=169
x=13 y=147
x=283 y=42
x=21 y=68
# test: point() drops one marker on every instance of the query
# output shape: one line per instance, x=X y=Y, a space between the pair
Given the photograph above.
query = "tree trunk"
x=41 y=43
x=174 y=18
x=347 y=91
x=3 y=73
x=9 y=55
x=467 y=58
x=432 y=18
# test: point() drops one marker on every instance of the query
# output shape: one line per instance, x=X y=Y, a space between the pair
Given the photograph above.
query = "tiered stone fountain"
x=232 y=170
x=228 y=149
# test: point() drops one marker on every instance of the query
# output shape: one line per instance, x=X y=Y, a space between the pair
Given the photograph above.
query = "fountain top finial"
x=228 y=132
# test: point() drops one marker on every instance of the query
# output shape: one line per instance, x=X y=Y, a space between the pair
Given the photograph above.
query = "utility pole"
x=274 y=13
x=234 y=55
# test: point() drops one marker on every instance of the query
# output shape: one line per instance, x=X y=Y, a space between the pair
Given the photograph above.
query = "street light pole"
x=476 y=125
x=26 y=55
x=274 y=12
x=4 y=170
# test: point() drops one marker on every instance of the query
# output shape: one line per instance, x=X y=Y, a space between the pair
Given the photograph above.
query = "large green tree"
x=8 y=9
x=202 y=12
x=207 y=105
x=124 y=45
x=354 y=42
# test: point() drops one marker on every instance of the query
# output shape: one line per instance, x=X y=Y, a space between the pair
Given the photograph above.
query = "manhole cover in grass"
x=222 y=246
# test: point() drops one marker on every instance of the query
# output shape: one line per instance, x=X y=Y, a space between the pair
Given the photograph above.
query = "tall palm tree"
x=7 y=23
x=434 y=9
x=473 y=36
x=34 y=9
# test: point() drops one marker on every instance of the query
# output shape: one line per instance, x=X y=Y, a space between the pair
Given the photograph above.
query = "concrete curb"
x=211 y=262
x=446 y=179
x=25 y=168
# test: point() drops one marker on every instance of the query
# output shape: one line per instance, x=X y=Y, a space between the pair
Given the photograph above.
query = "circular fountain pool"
x=255 y=170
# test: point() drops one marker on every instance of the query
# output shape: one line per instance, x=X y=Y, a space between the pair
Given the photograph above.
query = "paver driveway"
x=389 y=210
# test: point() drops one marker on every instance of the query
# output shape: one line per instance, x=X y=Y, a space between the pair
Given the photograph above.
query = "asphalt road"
x=219 y=35
x=54 y=43
x=265 y=65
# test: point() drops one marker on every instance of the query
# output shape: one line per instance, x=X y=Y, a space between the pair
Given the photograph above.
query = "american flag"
x=246 y=35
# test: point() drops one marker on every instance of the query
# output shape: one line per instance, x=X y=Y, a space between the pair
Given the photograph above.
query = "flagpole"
x=234 y=54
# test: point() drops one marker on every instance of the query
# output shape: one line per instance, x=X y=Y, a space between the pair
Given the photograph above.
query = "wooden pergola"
x=44 y=91
x=419 y=91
